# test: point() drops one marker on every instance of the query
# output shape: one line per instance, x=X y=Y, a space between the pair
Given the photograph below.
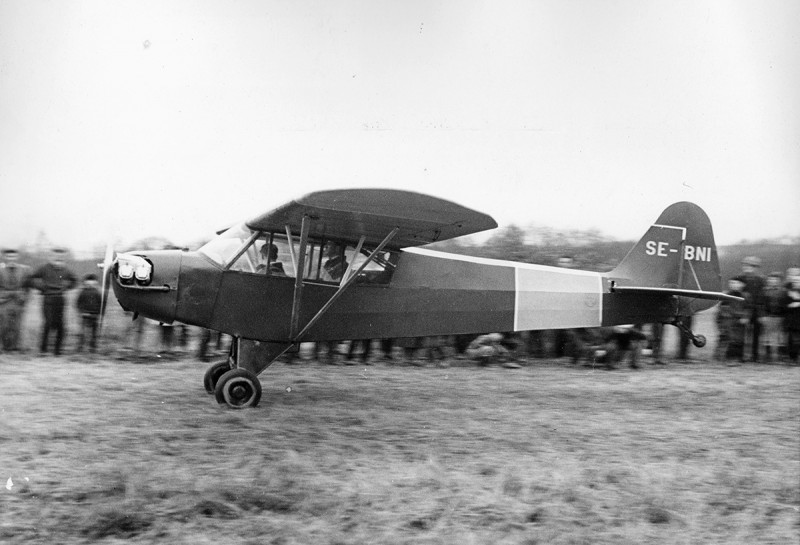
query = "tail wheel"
x=213 y=374
x=238 y=389
x=699 y=341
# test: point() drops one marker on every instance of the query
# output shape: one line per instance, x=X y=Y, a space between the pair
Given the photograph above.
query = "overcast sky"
x=130 y=119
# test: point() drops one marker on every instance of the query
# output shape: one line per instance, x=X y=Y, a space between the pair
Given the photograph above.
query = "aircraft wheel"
x=212 y=375
x=699 y=341
x=238 y=389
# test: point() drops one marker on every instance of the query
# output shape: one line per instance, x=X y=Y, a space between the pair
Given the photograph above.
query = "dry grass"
x=105 y=450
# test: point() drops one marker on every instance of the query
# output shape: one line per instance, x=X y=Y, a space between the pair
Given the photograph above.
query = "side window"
x=379 y=271
x=274 y=256
x=326 y=261
x=269 y=254
x=339 y=260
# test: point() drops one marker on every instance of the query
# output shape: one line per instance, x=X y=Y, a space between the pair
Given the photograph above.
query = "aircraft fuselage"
x=430 y=293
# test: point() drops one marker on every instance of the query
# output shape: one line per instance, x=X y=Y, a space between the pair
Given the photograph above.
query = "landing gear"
x=238 y=389
x=213 y=374
x=698 y=340
x=234 y=382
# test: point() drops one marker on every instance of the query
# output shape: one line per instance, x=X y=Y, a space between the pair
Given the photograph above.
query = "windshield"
x=223 y=248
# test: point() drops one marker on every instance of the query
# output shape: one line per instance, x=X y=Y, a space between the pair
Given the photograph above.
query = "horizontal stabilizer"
x=696 y=294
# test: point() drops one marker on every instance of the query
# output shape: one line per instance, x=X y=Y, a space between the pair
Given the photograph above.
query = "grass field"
x=110 y=450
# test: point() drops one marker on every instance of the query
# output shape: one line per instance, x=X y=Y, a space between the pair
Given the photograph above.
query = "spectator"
x=88 y=303
x=622 y=343
x=754 y=301
x=52 y=279
x=654 y=342
x=732 y=319
x=486 y=349
x=366 y=350
x=772 y=321
x=12 y=299
x=791 y=310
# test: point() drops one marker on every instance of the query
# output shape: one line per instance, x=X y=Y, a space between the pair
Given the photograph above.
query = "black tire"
x=212 y=375
x=699 y=341
x=238 y=389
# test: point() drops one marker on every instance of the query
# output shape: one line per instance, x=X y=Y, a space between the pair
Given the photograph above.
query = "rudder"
x=677 y=252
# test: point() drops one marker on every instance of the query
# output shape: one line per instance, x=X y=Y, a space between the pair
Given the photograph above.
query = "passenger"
x=772 y=321
x=13 y=296
x=53 y=280
x=335 y=264
x=89 y=303
x=269 y=261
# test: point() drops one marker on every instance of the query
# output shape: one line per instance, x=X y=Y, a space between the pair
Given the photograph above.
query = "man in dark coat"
x=754 y=300
x=52 y=280
x=791 y=312
x=12 y=298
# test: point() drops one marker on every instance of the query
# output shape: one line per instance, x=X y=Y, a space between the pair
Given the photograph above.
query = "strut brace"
x=295 y=338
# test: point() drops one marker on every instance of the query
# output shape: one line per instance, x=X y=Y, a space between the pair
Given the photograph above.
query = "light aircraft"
x=349 y=264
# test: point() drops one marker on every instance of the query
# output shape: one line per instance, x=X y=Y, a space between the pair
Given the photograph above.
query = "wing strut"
x=339 y=292
x=300 y=267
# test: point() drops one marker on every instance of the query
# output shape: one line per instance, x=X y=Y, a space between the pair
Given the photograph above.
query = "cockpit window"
x=242 y=249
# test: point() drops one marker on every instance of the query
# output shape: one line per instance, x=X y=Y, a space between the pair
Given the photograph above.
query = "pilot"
x=335 y=264
x=270 y=263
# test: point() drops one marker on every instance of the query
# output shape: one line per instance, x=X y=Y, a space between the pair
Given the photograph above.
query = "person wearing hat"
x=12 y=298
x=52 y=280
x=89 y=302
x=754 y=300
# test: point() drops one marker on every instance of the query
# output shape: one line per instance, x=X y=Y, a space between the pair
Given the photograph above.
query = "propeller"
x=108 y=261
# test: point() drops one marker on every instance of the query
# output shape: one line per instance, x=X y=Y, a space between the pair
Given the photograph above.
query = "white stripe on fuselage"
x=545 y=297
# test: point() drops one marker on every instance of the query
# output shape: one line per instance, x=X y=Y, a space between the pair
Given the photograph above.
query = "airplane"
x=351 y=264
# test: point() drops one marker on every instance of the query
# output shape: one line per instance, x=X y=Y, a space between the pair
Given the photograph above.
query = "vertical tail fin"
x=677 y=253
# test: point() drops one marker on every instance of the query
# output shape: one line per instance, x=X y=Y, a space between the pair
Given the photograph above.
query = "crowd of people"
x=768 y=318
x=763 y=327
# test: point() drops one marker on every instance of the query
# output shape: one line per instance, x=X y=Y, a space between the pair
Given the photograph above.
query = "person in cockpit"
x=335 y=263
x=269 y=261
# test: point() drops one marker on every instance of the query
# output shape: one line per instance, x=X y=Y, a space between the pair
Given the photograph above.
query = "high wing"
x=349 y=214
